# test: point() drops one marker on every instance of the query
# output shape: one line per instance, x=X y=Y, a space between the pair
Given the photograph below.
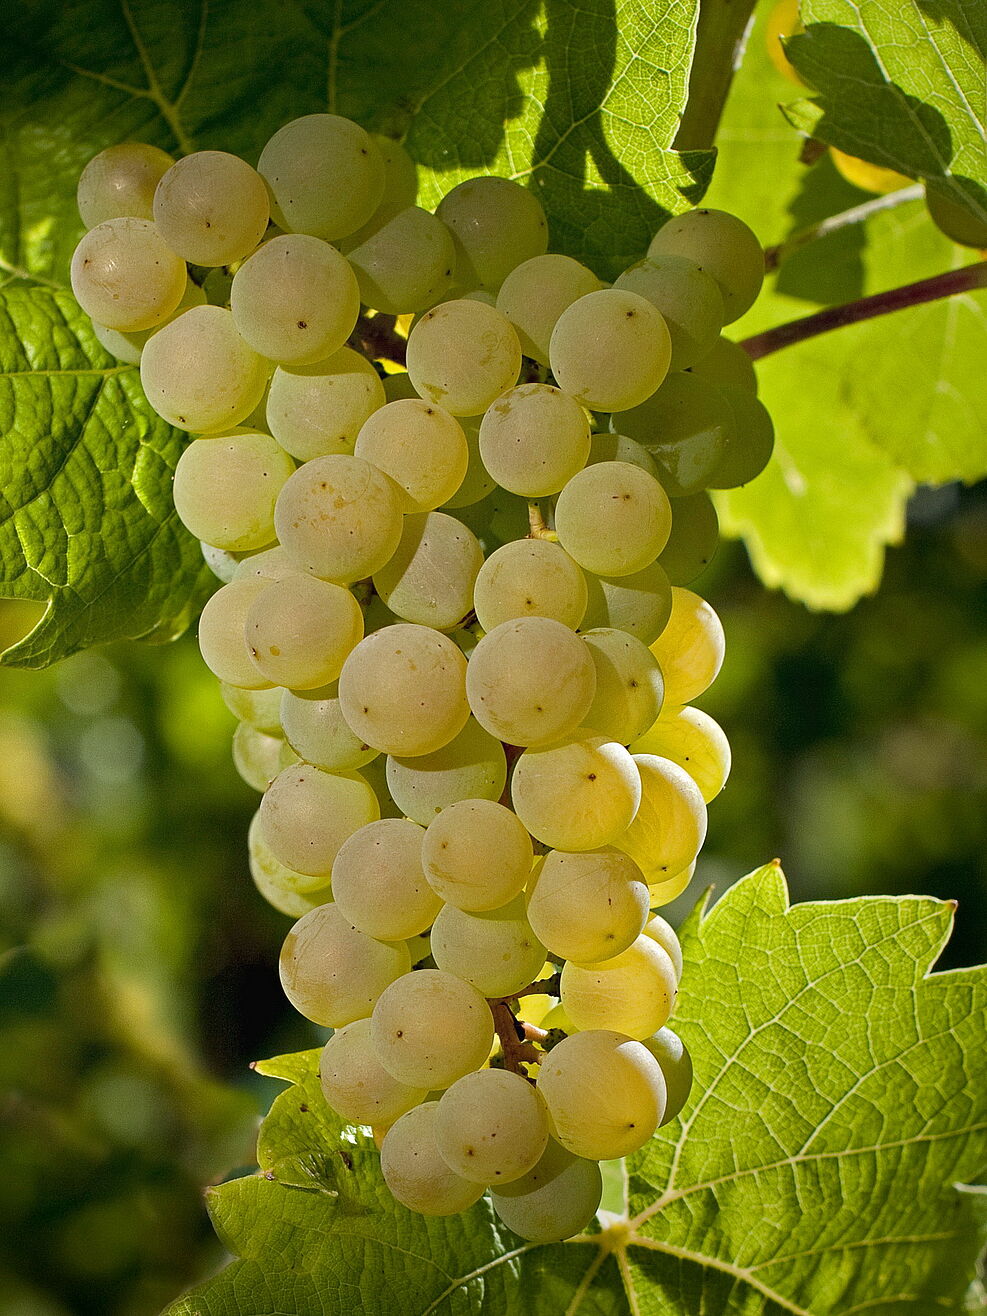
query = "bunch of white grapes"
x=454 y=624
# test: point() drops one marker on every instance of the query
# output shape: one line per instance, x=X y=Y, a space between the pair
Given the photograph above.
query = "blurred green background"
x=139 y=963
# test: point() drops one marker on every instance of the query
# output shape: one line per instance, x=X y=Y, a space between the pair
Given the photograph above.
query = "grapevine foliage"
x=840 y=1107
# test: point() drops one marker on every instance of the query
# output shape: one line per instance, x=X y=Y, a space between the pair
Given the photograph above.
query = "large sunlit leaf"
x=839 y=1102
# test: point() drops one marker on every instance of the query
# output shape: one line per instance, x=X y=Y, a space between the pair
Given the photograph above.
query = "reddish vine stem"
x=947 y=284
x=513 y=1038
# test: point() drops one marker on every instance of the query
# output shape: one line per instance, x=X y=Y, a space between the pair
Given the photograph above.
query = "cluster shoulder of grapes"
x=454 y=625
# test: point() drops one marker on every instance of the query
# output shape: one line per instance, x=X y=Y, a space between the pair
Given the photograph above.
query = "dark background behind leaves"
x=137 y=977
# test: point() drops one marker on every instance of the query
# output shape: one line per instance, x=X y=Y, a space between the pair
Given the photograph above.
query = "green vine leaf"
x=86 y=516
x=900 y=85
x=840 y=1105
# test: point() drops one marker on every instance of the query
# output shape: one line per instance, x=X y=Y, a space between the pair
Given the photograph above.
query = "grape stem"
x=541 y=987
x=514 y=1038
x=538 y=528
x=774 y=256
x=947 y=284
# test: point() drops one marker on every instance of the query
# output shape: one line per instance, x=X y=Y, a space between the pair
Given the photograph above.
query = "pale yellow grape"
x=128 y=347
x=121 y=181
x=356 y=1085
x=314 y=726
x=553 y=1201
x=403 y=689
x=225 y=489
x=378 y=882
x=640 y=603
x=607 y=447
x=723 y=246
x=629 y=686
x=534 y=439
x=495 y=950
x=307 y=814
x=258 y=757
x=631 y=993
x=662 y=932
x=670 y=826
x=530 y=681
x=689 y=300
x=318 y=409
x=289 y=892
x=223 y=565
x=420 y=446
x=261 y=708
x=325 y=173
x=430 y=578
x=296 y=299
x=212 y=208
x=750 y=440
x=690 y=649
x=430 y=1028
x=661 y=893
x=535 y=294
x=495 y=225
x=694 y=539
x=339 y=517
x=587 y=905
x=300 y=631
x=406 y=264
x=222 y=641
x=462 y=355
x=477 y=855
x=605 y=1094
x=400 y=191
x=269 y=564
x=610 y=349
x=693 y=740
x=332 y=973
x=727 y=364
x=676 y=1067
x=472 y=766
x=477 y=482
x=199 y=374
x=414 y=1171
x=529 y=578
x=125 y=277
x=491 y=1126
x=613 y=518
x=578 y=794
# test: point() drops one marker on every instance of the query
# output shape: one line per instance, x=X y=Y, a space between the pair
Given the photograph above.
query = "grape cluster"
x=454 y=624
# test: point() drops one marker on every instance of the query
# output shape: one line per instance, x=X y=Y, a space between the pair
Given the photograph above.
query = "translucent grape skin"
x=125 y=277
x=289 y=892
x=314 y=726
x=301 y=630
x=491 y=1126
x=676 y=1066
x=334 y=974
x=221 y=634
x=477 y=855
x=631 y=993
x=225 y=489
x=695 y=741
x=495 y=950
x=129 y=347
x=587 y=906
x=211 y=208
x=463 y=355
x=319 y=409
x=688 y=299
x=199 y=374
x=571 y=1079
x=472 y=766
x=750 y=441
x=403 y=689
x=690 y=649
x=356 y=1085
x=121 y=181
x=430 y=577
x=416 y=1173
x=536 y=292
x=295 y=300
x=529 y=578
x=339 y=517
x=578 y=794
x=534 y=439
x=724 y=247
x=640 y=603
x=670 y=825
x=495 y=224
x=307 y=814
x=261 y=708
x=613 y=518
x=430 y=1028
x=686 y=426
x=258 y=757
x=662 y=932
x=727 y=364
x=610 y=349
x=554 y=1200
x=325 y=173
x=693 y=541
x=420 y=446
x=378 y=882
x=406 y=264
x=530 y=681
x=629 y=685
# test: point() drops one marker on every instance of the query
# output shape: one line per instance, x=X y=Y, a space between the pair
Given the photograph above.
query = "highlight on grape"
x=455 y=488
